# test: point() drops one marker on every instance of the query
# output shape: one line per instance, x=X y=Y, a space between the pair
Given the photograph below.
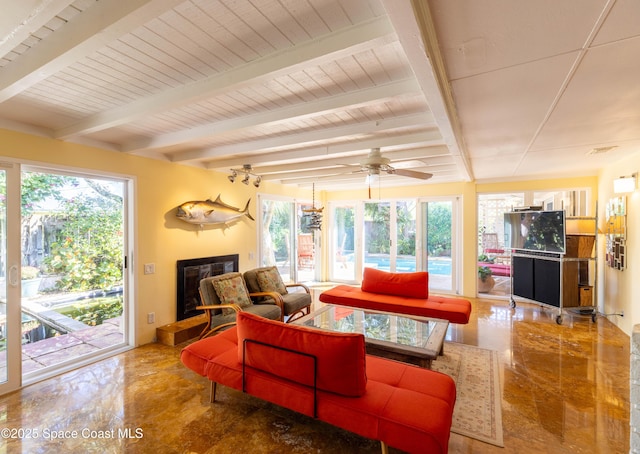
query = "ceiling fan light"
x=372 y=178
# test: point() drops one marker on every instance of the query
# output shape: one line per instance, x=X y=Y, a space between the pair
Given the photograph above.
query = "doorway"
x=64 y=298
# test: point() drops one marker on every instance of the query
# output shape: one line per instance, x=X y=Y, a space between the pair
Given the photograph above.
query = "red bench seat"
x=402 y=293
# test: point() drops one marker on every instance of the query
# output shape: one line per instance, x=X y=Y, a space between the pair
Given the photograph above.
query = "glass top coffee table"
x=410 y=339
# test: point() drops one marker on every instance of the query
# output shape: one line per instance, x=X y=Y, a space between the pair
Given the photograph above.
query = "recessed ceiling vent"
x=601 y=150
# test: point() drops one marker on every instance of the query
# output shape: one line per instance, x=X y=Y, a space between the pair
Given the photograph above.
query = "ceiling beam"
x=102 y=23
x=417 y=36
x=307 y=138
x=323 y=106
x=367 y=35
x=20 y=19
x=422 y=139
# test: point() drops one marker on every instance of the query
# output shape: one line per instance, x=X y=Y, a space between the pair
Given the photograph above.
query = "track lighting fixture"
x=248 y=173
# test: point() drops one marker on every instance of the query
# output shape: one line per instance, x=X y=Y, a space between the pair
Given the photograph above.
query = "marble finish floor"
x=565 y=388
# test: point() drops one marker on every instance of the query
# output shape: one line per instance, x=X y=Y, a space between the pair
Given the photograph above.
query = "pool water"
x=441 y=266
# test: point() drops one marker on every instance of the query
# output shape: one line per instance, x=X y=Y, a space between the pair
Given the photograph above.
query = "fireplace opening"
x=191 y=272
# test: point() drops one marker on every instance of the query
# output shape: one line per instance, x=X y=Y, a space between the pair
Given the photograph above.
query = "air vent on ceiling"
x=601 y=150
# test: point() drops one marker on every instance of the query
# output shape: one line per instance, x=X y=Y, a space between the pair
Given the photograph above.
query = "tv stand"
x=558 y=280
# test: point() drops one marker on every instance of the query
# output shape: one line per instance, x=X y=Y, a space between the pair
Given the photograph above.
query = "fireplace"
x=190 y=272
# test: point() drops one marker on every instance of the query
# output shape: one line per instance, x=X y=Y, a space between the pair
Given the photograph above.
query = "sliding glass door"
x=64 y=291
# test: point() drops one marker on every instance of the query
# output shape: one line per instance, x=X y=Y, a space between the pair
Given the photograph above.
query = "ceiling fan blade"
x=411 y=173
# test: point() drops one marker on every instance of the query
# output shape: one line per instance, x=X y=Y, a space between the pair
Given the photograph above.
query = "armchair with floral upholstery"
x=224 y=295
x=267 y=279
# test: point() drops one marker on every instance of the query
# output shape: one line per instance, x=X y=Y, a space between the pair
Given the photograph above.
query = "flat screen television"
x=540 y=231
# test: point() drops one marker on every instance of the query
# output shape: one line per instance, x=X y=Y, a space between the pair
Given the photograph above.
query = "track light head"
x=247 y=171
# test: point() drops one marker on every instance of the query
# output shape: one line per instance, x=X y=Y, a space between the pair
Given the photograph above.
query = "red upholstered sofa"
x=403 y=293
x=328 y=376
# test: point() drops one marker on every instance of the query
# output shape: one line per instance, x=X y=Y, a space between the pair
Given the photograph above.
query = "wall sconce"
x=625 y=184
x=248 y=173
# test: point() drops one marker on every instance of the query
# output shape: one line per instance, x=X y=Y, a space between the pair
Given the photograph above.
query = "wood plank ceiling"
x=303 y=89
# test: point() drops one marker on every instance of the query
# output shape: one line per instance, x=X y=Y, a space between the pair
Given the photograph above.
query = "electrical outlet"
x=151 y=318
x=149 y=268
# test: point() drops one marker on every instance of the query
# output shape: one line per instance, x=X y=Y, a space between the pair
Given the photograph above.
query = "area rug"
x=478 y=410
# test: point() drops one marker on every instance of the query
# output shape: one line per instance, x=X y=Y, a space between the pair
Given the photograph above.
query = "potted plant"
x=485 y=279
x=30 y=281
x=483 y=258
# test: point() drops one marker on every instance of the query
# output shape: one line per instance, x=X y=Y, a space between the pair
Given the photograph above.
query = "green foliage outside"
x=344 y=224
x=277 y=219
x=439 y=225
x=87 y=248
x=377 y=224
x=87 y=253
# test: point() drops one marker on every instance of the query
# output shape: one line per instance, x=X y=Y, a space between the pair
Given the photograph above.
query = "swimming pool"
x=438 y=265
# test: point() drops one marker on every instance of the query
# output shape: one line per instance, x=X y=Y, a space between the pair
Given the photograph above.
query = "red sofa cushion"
x=341 y=367
x=456 y=310
x=412 y=285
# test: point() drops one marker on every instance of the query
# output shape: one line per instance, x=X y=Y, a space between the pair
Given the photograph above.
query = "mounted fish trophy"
x=211 y=212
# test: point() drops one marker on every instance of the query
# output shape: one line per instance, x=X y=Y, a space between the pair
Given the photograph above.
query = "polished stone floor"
x=565 y=388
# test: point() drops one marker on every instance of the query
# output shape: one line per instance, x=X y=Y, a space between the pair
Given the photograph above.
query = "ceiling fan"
x=376 y=163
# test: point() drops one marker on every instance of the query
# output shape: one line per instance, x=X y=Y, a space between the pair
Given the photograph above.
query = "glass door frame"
x=14 y=258
x=12 y=279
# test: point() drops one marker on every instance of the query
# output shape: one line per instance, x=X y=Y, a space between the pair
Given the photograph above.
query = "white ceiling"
x=303 y=89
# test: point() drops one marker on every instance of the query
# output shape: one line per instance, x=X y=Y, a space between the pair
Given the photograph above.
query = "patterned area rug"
x=478 y=410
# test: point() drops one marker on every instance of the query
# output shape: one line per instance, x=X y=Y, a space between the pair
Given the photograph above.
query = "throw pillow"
x=231 y=290
x=269 y=280
x=411 y=285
